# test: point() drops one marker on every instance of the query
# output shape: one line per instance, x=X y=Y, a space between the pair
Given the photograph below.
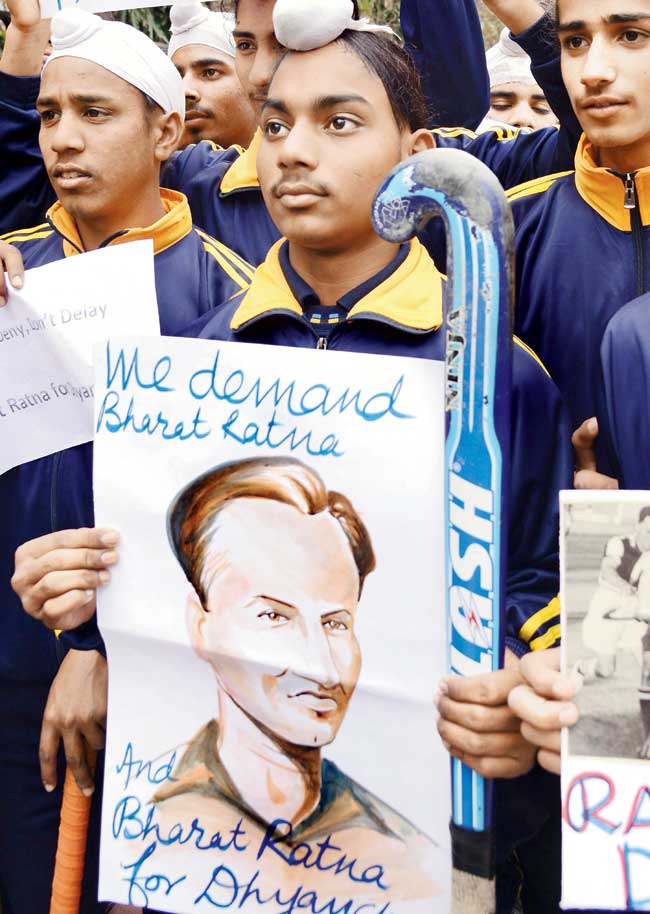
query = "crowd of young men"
x=115 y=141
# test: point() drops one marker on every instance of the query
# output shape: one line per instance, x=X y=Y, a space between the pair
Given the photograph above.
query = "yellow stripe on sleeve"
x=39 y=231
x=536 y=186
x=451 y=132
x=545 y=614
x=224 y=254
x=548 y=639
x=227 y=267
x=246 y=268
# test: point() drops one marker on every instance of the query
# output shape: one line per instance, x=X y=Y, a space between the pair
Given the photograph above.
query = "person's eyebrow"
x=332 y=101
x=539 y=98
x=276 y=104
x=618 y=18
x=237 y=33
x=502 y=94
x=580 y=25
x=207 y=62
x=82 y=99
x=92 y=99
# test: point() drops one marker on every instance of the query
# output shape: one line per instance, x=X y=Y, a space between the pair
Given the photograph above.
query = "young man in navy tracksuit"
x=104 y=158
x=222 y=185
x=333 y=284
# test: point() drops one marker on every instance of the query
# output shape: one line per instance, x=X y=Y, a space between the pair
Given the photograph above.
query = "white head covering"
x=302 y=25
x=122 y=50
x=194 y=23
x=508 y=63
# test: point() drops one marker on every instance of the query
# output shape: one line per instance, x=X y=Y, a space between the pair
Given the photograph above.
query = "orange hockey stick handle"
x=71 y=846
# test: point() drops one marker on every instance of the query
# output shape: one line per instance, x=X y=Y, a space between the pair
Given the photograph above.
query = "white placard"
x=47 y=331
x=185 y=828
x=49 y=8
x=605 y=551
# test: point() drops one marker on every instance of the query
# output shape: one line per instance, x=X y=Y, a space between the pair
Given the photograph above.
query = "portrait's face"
x=329 y=138
x=520 y=106
x=216 y=106
x=257 y=50
x=282 y=592
x=606 y=69
x=643 y=534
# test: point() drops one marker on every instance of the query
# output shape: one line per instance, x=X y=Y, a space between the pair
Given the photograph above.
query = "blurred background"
x=154 y=21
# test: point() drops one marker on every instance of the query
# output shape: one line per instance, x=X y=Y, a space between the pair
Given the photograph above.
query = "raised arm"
x=25 y=190
x=445 y=41
x=26 y=39
x=534 y=30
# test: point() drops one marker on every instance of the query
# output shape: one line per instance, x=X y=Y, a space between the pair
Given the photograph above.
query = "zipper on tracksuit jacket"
x=631 y=203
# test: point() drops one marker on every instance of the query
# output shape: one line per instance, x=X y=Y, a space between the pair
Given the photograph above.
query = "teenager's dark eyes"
x=244 y=47
x=94 y=113
x=47 y=116
x=574 y=42
x=275 y=128
x=339 y=123
x=210 y=73
x=633 y=36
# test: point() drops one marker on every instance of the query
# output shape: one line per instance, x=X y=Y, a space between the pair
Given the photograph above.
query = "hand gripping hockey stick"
x=478 y=307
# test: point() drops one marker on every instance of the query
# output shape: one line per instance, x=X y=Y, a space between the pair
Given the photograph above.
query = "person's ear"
x=195 y=620
x=420 y=141
x=169 y=130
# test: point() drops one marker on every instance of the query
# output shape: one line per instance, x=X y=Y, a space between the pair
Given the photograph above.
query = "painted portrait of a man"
x=277 y=565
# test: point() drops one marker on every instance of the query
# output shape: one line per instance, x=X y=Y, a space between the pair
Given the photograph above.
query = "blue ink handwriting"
x=237 y=389
x=134 y=768
x=225 y=891
x=263 y=436
x=275 y=838
x=140 y=885
x=159 y=374
x=113 y=421
x=130 y=821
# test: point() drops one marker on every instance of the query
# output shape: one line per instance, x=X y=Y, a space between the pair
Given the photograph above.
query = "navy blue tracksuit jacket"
x=193 y=273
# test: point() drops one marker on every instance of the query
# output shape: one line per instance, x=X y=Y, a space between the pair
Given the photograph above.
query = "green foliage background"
x=154 y=21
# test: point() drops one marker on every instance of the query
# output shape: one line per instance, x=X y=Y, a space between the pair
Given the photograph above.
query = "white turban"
x=194 y=23
x=508 y=63
x=122 y=50
x=302 y=25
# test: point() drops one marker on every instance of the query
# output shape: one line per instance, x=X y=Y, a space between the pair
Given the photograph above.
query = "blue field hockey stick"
x=478 y=311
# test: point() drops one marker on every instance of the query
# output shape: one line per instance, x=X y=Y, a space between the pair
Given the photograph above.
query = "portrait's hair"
x=643 y=513
x=191 y=516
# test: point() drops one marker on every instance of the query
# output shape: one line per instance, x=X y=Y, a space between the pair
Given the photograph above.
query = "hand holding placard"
x=47 y=330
